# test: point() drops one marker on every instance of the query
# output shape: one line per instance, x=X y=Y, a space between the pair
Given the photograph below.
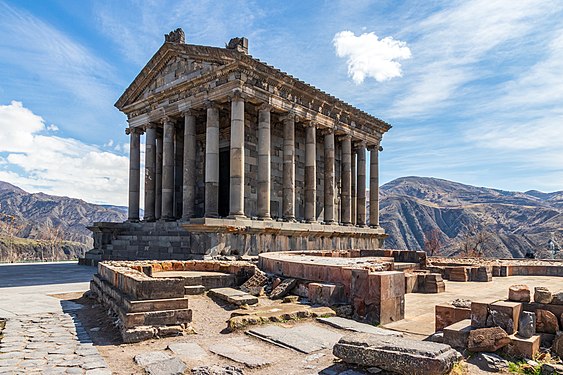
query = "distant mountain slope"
x=30 y=215
x=515 y=223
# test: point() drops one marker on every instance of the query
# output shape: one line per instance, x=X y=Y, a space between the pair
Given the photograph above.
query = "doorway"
x=224 y=181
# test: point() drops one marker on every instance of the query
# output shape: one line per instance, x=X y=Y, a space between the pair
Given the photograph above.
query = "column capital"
x=151 y=125
x=289 y=116
x=326 y=131
x=265 y=107
x=345 y=137
x=375 y=147
x=165 y=120
x=236 y=95
x=309 y=123
x=135 y=130
x=188 y=112
x=358 y=144
x=209 y=104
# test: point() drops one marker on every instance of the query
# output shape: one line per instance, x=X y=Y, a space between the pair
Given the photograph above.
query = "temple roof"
x=234 y=58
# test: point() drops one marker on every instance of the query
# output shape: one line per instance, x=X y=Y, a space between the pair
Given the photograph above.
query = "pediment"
x=171 y=65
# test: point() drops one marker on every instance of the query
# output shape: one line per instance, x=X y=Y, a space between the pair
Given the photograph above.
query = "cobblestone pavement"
x=48 y=343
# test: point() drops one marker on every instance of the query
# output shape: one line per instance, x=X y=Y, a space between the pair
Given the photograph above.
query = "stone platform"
x=203 y=237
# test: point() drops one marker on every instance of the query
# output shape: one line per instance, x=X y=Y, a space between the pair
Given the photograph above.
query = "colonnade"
x=161 y=170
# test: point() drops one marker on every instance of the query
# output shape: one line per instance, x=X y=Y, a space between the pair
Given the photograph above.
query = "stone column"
x=188 y=187
x=150 y=171
x=289 y=167
x=346 y=210
x=374 y=186
x=310 y=171
x=158 y=179
x=134 y=172
x=168 y=170
x=178 y=170
x=361 y=185
x=236 y=201
x=212 y=161
x=264 y=176
x=353 y=176
x=329 y=177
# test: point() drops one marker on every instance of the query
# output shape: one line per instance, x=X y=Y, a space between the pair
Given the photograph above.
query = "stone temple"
x=241 y=158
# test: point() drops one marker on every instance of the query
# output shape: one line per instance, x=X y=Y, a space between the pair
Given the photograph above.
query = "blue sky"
x=473 y=89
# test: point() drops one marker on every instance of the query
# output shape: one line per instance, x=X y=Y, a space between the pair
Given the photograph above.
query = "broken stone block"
x=557 y=346
x=504 y=314
x=527 y=325
x=283 y=288
x=542 y=295
x=519 y=293
x=557 y=299
x=173 y=366
x=146 y=358
x=489 y=362
x=402 y=355
x=234 y=296
x=479 y=314
x=546 y=321
x=487 y=339
x=457 y=334
x=522 y=347
x=446 y=315
x=255 y=285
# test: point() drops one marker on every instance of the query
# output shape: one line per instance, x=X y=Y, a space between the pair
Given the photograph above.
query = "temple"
x=241 y=158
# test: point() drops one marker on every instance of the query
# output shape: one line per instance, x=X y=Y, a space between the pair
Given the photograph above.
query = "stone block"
x=505 y=314
x=283 y=289
x=479 y=313
x=546 y=322
x=542 y=295
x=397 y=354
x=487 y=339
x=457 y=334
x=519 y=293
x=459 y=274
x=156 y=318
x=411 y=283
x=557 y=346
x=432 y=283
x=557 y=298
x=446 y=315
x=483 y=274
x=234 y=296
x=527 y=325
x=523 y=347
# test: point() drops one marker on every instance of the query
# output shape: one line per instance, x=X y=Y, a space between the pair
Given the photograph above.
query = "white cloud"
x=369 y=56
x=38 y=161
x=53 y=128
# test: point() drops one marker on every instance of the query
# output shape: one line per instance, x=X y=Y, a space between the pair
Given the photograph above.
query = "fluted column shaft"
x=168 y=170
x=289 y=167
x=134 y=173
x=329 y=177
x=212 y=162
x=361 y=186
x=346 y=210
x=188 y=208
x=264 y=175
x=353 y=176
x=150 y=172
x=310 y=171
x=158 y=178
x=374 y=187
x=236 y=201
x=178 y=170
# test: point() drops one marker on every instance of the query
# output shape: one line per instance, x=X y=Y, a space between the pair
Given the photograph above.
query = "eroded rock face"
x=557 y=347
x=557 y=298
x=527 y=324
x=401 y=355
x=542 y=295
x=519 y=293
x=487 y=339
x=546 y=322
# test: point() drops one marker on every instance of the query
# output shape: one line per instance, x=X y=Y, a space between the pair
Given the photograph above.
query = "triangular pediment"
x=173 y=64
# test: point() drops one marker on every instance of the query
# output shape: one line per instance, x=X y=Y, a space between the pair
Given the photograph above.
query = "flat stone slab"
x=173 y=366
x=187 y=351
x=234 y=296
x=398 y=354
x=352 y=325
x=241 y=350
x=147 y=358
x=305 y=338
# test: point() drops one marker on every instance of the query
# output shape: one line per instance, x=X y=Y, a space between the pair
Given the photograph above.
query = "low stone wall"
x=149 y=307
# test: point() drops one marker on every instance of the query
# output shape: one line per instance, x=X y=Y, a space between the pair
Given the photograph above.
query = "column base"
x=236 y=216
x=289 y=219
x=211 y=216
x=265 y=218
x=132 y=220
x=311 y=221
x=149 y=219
x=167 y=219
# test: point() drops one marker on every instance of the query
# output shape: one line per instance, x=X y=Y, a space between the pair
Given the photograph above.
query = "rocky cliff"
x=46 y=219
x=509 y=224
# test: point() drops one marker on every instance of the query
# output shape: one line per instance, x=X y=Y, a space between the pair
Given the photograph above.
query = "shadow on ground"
x=32 y=274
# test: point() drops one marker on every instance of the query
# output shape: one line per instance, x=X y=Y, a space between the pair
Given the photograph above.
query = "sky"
x=473 y=89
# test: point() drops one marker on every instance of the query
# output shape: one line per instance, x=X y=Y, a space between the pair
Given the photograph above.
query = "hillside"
x=513 y=223
x=43 y=217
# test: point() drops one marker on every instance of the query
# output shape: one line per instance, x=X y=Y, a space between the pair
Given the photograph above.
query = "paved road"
x=42 y=334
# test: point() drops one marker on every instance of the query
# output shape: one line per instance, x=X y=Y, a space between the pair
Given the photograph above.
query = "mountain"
x=509 y=224
x=42 y=219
